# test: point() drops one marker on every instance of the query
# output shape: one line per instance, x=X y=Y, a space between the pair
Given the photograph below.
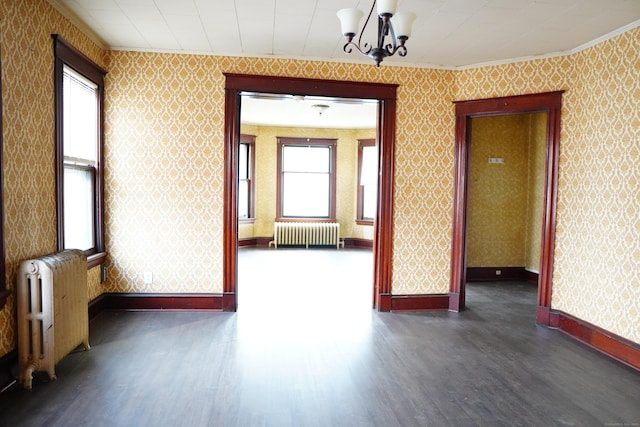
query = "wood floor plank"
x=308 y=362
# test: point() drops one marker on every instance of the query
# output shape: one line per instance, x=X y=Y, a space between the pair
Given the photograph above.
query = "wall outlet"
x=148 y=277
x=498 y=272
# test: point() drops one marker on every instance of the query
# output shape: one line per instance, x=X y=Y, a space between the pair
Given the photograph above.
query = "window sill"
x=96 y=259
x=305 y=219
x=364 y=221
x=246 y=220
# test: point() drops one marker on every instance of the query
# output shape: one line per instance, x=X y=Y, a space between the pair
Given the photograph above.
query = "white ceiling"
x=447 y=33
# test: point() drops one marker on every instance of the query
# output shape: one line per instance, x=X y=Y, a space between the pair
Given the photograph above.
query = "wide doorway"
x=384 y=95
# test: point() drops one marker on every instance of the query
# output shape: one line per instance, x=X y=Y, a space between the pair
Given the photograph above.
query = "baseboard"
x=532 y=276
x=352 y=242
x=425 y=302
x=255 y=241
x=158 y=302
x=485 y=274
x=614 y=346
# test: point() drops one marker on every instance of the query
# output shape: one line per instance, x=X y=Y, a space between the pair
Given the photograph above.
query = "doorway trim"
x=386 y=129
x=549 y=102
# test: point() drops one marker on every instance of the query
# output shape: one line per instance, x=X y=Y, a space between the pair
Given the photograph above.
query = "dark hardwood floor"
x=296 y=355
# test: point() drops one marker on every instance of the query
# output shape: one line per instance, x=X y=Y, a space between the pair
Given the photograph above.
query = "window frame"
x=66 y=55
x=360 y=219
x=307 y=142
x=250 y=141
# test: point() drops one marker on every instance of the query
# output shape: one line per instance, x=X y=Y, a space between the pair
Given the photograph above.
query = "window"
x=246 y=180
x=79 y=92
x=367 y=181
x=306 y=178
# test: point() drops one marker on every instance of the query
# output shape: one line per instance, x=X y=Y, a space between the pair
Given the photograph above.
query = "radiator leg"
x=27 y=380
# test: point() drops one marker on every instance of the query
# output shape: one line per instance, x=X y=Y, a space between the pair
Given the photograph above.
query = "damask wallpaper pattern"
x=164 y=151
x=28 y=131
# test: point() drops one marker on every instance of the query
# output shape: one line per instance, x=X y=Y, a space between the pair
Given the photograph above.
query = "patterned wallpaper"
x=28 y=157
x=500 y=193
x=535 y=202
x=165 y=142
x=164 y=132
x=597 y=248
x=266 y=179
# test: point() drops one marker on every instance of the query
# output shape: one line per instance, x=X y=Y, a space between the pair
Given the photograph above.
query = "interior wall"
x=28 y=137
x=505 y=199
x=497 y=198
x=266 y=146
x=535 y=196
x=164 y=164
x=596 y=255
x=165 y=168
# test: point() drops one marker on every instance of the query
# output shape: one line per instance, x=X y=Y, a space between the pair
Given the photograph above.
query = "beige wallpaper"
x=28 y=151
x=597 y=248
x=498 y=192
x=506 y=200
x=535 y=196
x=266 y=179
x=164 y=140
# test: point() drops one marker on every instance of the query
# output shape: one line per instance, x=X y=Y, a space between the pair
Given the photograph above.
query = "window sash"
x=306 y=178
x=367 y=181
x=79 y=207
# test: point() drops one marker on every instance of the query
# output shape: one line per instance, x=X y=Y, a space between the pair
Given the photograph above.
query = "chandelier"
x=394 y=30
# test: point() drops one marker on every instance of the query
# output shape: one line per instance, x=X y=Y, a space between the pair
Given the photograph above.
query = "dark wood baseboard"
x=485 y=274
x=352 y=242
x=612 y=345
x=426 y=302
x=255 y=241
x=531 y=276
x=158 y=302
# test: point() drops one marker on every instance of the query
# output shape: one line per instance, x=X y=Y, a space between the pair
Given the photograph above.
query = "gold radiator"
x=306 y=233
x=53 y=314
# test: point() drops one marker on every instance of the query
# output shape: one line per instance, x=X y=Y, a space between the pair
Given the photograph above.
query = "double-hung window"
x=79 y=92
x=306 y=178
x=246 y=180
x=367 y=181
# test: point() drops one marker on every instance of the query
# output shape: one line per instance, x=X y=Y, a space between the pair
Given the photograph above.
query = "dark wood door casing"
x=549 y=102
x=386 y=96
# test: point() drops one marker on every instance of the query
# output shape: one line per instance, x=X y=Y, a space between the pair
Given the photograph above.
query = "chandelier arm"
x=392 y=47
x=349 y=46
x=366 y=47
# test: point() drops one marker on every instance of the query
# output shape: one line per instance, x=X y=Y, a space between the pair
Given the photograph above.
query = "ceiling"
x=450 y=34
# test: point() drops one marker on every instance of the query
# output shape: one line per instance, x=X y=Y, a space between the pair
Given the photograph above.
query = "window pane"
x=243 y=156
x=369 y=172
x=78 y=209
x=305 y=159
x=369 y=199
x=243 y=199
x=305 y=195
x=80 y=126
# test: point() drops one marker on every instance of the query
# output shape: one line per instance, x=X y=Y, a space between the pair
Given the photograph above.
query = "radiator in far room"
x=306 y=233
x=53 y=314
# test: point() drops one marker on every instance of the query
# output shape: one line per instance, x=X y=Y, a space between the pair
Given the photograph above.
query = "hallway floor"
x=301 y=352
